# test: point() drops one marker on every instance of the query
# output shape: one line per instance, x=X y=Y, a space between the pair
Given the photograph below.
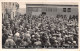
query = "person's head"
x=69 y=42
x=9 y=37
x=4 y=27
x=74 y=42
x=54 y=37
x=38 y=39
x=17 y=30
x=22 y=32
x=41 y=32
x=10 y=34
x=66 y=36
x=25 y=28
x=28 y=32
x=56 y=41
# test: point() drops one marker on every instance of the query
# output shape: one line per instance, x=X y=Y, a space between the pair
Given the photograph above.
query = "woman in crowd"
x=39 y=31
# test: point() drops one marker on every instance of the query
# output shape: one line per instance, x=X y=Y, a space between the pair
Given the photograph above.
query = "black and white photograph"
x=38 y=26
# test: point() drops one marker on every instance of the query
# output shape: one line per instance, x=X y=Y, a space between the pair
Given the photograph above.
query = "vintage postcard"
x=40 y=25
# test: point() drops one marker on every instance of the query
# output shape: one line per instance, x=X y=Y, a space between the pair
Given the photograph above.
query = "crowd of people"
x=42 y=30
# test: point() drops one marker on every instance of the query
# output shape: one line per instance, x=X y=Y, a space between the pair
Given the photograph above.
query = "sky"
x=22 y=4
x=22 y=7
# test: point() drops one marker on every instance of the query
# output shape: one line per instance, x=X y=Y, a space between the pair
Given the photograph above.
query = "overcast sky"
x=22 y=7
x=22 y=4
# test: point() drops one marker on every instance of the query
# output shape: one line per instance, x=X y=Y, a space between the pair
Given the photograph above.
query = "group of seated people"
x=33 y=31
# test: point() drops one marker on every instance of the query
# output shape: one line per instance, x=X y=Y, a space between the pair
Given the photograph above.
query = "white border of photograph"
x=37 y=2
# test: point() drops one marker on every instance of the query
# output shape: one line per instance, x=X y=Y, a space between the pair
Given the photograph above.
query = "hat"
x=66 y=35
x=33 y=35
x=74 y=42
x=11 y=34
x=10 y=37
x=41 y=32
x=69 y=42
x=28 y=31
x=56 y=41
x=54 y=37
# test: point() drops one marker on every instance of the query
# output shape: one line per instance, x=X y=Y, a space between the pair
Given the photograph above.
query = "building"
x=10 y=9
x=51 y=9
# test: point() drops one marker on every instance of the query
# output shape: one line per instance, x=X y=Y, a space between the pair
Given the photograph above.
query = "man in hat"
x=9 y=42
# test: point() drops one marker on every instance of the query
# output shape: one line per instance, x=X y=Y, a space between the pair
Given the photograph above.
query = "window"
x=10 y=3
x=29 y=9
x=44 y=13
x=64 y=9
x=44 y=9
x=54 y=9
x=69 y=10
x=35 y=9
x=13 y=14
x=49 y=9
x=13 y=4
